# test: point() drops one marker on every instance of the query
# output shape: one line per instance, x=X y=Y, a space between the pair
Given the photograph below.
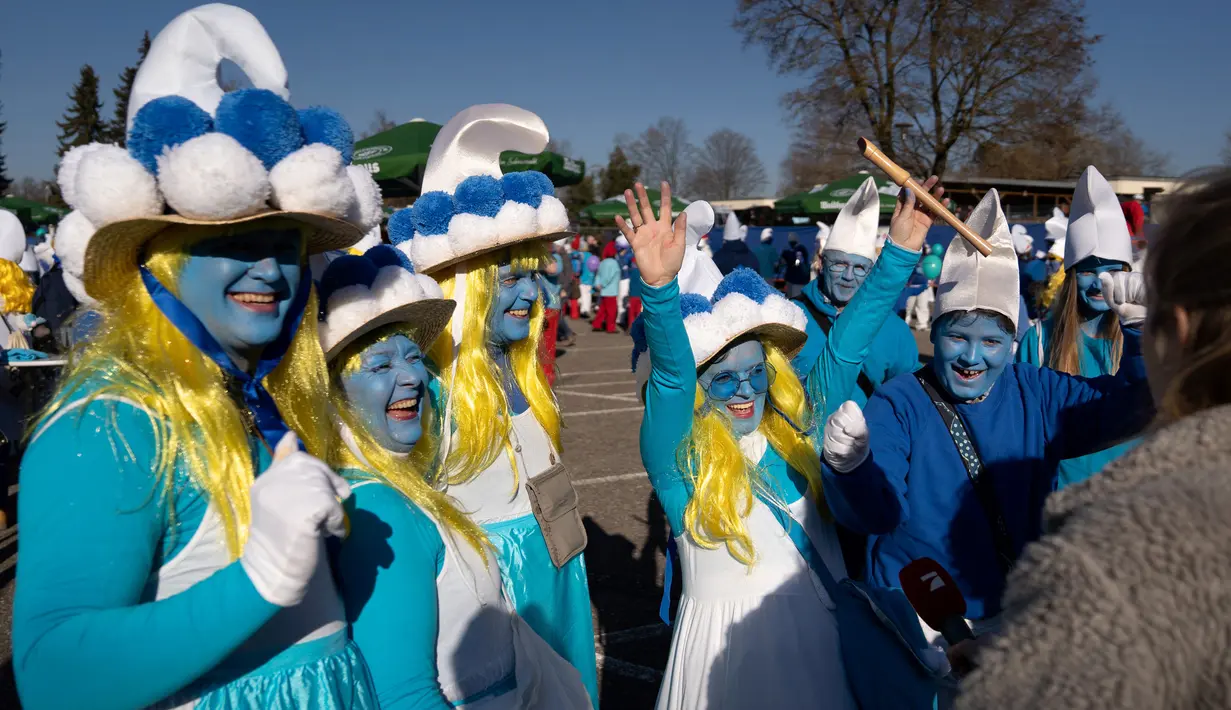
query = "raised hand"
x=1125 y=293
x=657 y=243
x=846 y=438
x=911 y=221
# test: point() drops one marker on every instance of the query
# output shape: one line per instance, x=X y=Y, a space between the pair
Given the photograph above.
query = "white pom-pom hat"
x=184 y=167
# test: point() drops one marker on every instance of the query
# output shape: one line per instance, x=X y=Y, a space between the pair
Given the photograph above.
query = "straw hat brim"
x=789 y=340
x=114 y=251
x=549 y=237
x=425 y=321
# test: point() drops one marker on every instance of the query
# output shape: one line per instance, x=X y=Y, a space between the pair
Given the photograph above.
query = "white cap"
x=854 y=231
x=969 y=280
x=1096 y=223
x=767 y=235
x=1057 y=226
x=732 y=231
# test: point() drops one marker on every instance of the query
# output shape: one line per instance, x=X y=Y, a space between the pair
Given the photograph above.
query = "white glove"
x=1125 y=293
x=295 y=503
x=846 y=438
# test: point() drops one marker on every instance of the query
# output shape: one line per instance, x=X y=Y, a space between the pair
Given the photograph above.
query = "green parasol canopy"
x=605 y=212
x=398 y=156
x=830 y=197
x=31 y=211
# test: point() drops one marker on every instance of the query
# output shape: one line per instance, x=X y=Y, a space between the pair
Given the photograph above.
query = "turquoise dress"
x=1095 y=360
x=124 y=602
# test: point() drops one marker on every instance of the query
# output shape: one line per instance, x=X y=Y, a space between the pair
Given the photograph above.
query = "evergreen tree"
x=117 y=130
x=578 y=197
x=619 y=175
x=82 y=122
x=4 y=178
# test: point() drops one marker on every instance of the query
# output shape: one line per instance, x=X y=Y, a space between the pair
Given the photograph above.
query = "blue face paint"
x=842 y=275
x=510 y=316
x=240 y=287
x=1089 y=288
x=746 y=407
x=389 y=392
x=971 y=350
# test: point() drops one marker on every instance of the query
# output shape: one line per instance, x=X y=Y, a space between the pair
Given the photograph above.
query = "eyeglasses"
x=838 y=267
x=726 y=384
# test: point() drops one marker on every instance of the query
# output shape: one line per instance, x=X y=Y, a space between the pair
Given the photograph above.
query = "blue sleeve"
x=836 y=369
x=387 y=571
x=1028 y=350
x=905 y=358
x=1085 y=415
x=92 y=521
x=669 y=396
x=871 y=500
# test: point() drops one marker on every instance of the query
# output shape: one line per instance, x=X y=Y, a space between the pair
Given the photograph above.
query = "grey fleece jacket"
x=1126 y=601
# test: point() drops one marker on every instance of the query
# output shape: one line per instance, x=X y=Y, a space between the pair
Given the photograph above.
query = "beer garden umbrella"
x=605 y=212
x=31 y=211
x=830 y=197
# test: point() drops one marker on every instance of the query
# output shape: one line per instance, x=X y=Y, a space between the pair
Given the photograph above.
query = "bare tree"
x=380 y=123
x=727 y=167
x=663 y=152
x=31 y=189
x=559 y=145
x=822 y=149
x=928 y=79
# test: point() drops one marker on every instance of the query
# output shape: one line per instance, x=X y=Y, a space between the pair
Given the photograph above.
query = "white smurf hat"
x=732 y=230
x=969 y=280
x=1096 y=223
x=468 y=206
x=854 y=231
x=198 y=156
x=362 y=293
x=12 y=237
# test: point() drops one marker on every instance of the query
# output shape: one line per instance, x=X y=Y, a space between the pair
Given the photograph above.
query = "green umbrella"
x=398 y=156
x=605 y=212
x=31 y=211
x=830 y=197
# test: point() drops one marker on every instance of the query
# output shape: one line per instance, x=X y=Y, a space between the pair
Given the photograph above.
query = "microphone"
x=936 y=598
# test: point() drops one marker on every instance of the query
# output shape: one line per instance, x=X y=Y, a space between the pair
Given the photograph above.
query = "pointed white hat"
x=698 y=273
x=733 y=231
x=854 y=231
x=1096 y=223
x=969 y=280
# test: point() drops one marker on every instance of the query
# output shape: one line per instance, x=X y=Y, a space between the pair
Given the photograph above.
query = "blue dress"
x=123 y=602
x=1095 y=359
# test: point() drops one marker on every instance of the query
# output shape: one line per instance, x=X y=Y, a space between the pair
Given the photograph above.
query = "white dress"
x=758 y=637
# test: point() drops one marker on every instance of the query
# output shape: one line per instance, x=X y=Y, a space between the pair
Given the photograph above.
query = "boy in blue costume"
x=893 y=471
x=1082 y=336
x=173 y=534
x=423 y=593
x=483 y=235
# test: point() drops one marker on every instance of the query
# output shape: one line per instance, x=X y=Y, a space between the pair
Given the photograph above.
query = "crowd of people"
x=301 y=459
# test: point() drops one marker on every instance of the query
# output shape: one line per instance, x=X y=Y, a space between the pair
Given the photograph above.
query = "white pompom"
x=112 y=186
x=369 y=207
x=72 y=237
x=313 y=179
x=470 y=233
x=431 y=289
x=371 y=239
x=347 y=308
x=67 y=176
x=395 y=286
x=515 y=219
x=426 y=252
x=552 y=216
x=213 y=177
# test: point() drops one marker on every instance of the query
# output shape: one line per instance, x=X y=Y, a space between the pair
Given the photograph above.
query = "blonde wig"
x=15 y=288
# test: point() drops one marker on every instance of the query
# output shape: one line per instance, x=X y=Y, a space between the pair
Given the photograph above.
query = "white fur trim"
x=314 y=179
x=777 y=309
x=471 y=232
x=112 y=186
x=368 y=209
x=429 y=286
x=515 y=219
x=426 y=252
x=67 y=175
x=708 y=333
x=12 y=237
x=552 y=216
x=72 y=236
x=213 y=177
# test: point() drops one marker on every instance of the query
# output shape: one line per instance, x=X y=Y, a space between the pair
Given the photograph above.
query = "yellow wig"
x=477 y=402
x=15 y=288
x=724 y=482
x=137 y=354
x=409 y=475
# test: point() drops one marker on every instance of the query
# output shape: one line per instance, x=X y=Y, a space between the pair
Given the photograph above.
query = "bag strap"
x=826 y=324
x=980 y=478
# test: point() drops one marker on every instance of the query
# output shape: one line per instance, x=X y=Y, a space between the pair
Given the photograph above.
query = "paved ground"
x=626 y=526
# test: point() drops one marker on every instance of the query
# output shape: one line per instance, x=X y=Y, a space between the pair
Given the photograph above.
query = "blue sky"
x=591 y=69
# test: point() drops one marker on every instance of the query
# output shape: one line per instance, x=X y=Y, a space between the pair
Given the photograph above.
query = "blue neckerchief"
x=258 y=401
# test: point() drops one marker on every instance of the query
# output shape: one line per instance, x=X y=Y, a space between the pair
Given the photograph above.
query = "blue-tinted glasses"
x=838 y=267
x=726 y=384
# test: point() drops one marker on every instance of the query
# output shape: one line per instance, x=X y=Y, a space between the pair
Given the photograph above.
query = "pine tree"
x=4 y=178
x=117 y=129
x=619 y=175
x=82 y=122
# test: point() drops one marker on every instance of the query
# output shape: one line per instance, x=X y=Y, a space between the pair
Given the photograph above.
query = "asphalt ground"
x=627 y=529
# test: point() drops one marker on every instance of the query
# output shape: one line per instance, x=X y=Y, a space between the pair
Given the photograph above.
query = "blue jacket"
x=733 y=255
x=607 y=280
x=912 y=493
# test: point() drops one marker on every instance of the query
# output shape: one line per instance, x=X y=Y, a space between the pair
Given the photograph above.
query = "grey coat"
x=1126 y=601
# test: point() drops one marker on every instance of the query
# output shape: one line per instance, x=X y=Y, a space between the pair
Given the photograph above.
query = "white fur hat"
x=1096 y=223
x=969 y=280
x=213 y=158
x=854 y=230
x=468 y=206
x=12 y=237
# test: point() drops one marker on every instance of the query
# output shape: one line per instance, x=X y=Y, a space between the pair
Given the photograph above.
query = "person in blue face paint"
x=898 y=472
x=186 y=564
x=422 y=589
x=1082 y=335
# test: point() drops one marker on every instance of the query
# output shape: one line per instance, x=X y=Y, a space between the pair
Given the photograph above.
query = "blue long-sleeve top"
x=96 y=526
x=912 y=493
x=607 y=280
x=892 y=351
x=1094 y=359
x=387 y=571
